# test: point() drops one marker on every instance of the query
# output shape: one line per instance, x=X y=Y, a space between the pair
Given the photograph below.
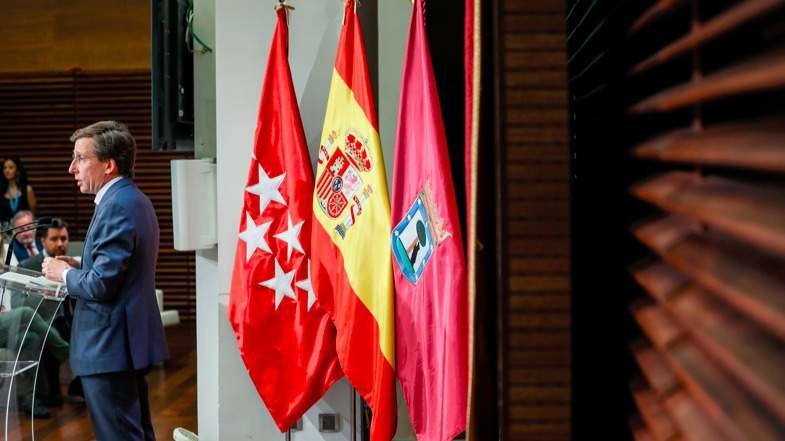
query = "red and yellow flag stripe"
x=351 y=256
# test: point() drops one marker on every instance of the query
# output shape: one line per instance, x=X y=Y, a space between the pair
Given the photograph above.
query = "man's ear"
x=112 y=167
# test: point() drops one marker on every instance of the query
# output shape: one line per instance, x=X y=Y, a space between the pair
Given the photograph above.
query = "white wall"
x=393 y=27
x=227 y=89
x=207 y=319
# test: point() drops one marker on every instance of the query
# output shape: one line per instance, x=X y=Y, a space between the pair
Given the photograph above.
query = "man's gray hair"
x=112 y=141
x=20 y=214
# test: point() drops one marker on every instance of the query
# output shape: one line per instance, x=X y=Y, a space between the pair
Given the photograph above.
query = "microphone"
x=41 y=222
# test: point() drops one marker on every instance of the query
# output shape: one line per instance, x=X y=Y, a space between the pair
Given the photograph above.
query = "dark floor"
x=172 y=390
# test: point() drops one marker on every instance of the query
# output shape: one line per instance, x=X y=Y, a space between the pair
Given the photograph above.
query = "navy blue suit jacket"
x=21 y=252
x=117 y=325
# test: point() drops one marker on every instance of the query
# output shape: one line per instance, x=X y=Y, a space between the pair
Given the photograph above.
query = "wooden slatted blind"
x=534 y=158
x=701 y=86
x=38 y=113
x=679 y=149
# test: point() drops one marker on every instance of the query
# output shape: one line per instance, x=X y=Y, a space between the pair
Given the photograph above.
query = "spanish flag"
x=350 y=257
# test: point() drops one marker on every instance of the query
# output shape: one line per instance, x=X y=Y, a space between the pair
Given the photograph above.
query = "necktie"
x=31 y=249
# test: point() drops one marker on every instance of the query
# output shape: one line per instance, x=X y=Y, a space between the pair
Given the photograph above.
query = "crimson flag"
x=428 y=267
x=285 y=339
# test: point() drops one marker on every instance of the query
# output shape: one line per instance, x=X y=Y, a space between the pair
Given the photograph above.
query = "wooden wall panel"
x=39 y=112
x=533 y=127
x=93 y=35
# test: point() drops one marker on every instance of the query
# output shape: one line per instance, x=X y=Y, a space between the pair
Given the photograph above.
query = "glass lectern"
x=29 y=304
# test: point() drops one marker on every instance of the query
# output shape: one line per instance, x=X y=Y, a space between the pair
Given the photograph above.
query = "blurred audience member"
x=55 y=242
x=26 y=244
x=23 y=321
x=17 y=194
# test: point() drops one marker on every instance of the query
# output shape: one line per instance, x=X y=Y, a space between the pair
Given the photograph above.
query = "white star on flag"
x=267 y=189
x=305 y=285
x=281 y=283
x=254 y=236
x=291 y=236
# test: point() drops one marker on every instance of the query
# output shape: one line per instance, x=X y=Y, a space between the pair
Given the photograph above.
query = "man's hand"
x=69 y=260
x=53 y=269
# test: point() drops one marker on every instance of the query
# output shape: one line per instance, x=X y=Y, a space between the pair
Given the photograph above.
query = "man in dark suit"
x=117 y=332
x=55 y=243
x=28 y=309
x=26 y=244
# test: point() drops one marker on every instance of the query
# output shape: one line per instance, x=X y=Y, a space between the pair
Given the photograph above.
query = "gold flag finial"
x=283 y=4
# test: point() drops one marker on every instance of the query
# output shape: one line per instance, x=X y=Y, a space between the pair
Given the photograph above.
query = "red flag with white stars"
x=285 y=339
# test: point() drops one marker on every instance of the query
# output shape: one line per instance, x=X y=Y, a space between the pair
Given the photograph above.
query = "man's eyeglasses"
x=80 y=159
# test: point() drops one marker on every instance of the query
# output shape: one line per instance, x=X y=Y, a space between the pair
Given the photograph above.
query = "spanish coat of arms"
x=340 y=184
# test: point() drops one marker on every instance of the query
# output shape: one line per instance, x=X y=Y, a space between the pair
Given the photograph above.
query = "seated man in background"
x=53 y=240
x=55 y=243
x=26 y=244
x=23 y=321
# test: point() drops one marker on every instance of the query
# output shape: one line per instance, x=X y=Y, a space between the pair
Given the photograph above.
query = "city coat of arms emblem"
x=416 y=237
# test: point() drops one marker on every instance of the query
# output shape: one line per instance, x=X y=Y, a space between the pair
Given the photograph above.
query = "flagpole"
x=288 y=435
x=354 y=414
x=283 y=4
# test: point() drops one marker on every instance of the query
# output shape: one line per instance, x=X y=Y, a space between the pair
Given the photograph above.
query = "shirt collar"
x=102 y=191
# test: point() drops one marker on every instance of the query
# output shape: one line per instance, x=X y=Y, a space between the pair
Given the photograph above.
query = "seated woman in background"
x=17 y=194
